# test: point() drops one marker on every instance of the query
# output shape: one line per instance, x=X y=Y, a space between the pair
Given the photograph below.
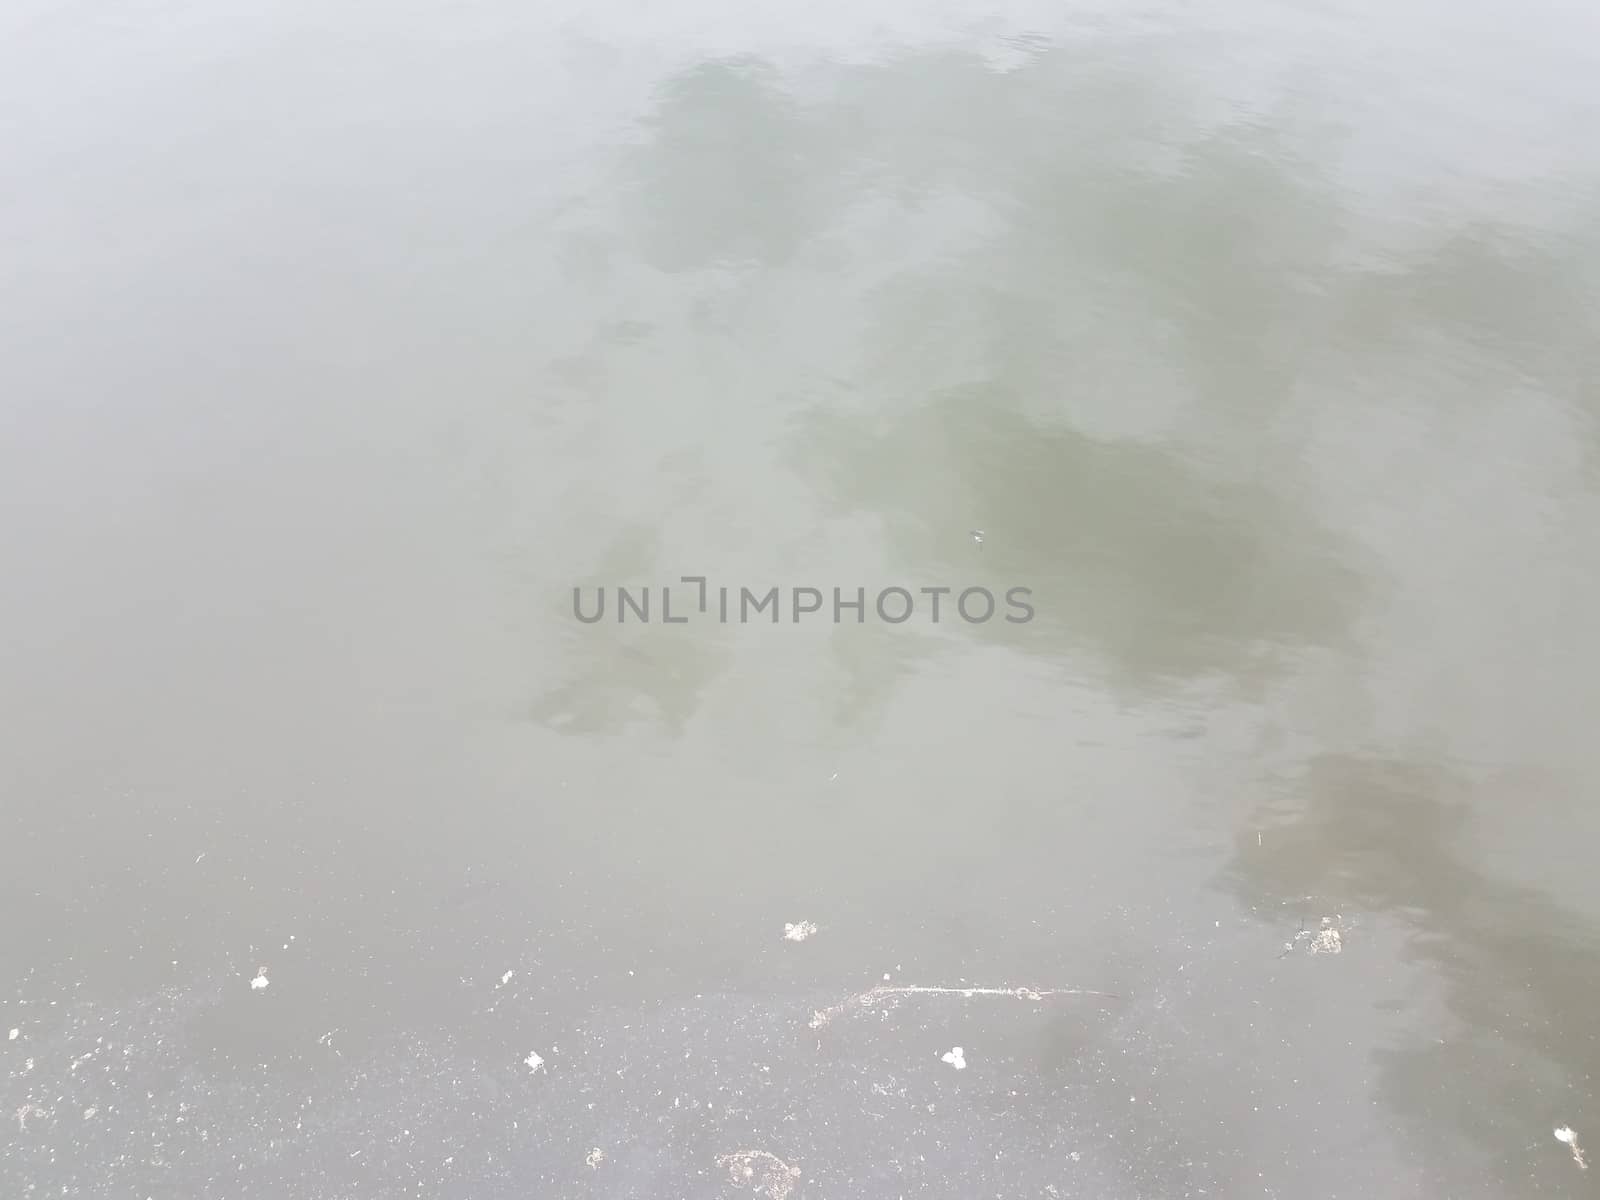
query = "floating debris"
x=260 y=981
x=595 y=1157
x=799 y=932
x=977 y=535
x=15 y=1034
x=884 y=996
x=533 y=1061
x=1327 y=939
x=1565 y=1134
x=955 y=1058
x=762 y=1171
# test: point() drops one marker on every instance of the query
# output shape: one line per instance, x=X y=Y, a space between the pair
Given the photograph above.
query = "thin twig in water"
x=886 y=995
x=1288 y=947
x=1565 y=1134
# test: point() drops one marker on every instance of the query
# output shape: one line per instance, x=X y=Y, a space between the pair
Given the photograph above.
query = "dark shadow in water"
x=629 y=670
x=1519 y=971
x=1206 y=260
x=626 y=679
x=874 y=659
x=1498 y=315
x=1107 y=245
x=1130 y=551
x=1490 y=293
x=1121 y=220
x=1128 y=244
x=734 y=171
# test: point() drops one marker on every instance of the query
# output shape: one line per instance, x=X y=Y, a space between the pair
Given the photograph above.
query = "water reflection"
x=1047 y=301
x=1063 y=302
x=1488 y=296
x=1133 y=553
x=620 y=674
x=1507 y=1047
x=733 y=170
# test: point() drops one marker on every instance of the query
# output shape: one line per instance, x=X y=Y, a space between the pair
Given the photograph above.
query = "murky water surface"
x=339 y=344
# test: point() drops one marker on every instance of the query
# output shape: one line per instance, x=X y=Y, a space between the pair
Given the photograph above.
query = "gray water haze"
x=340 y=343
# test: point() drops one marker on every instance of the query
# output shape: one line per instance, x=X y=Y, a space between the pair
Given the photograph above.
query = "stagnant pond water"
x=1245 y=355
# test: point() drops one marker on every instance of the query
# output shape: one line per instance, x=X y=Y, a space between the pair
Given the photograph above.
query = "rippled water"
x=339 y=346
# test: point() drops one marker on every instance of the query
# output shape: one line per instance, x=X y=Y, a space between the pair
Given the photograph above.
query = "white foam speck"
x=955 y=1058
x=534 y=1061
x=259 y=982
